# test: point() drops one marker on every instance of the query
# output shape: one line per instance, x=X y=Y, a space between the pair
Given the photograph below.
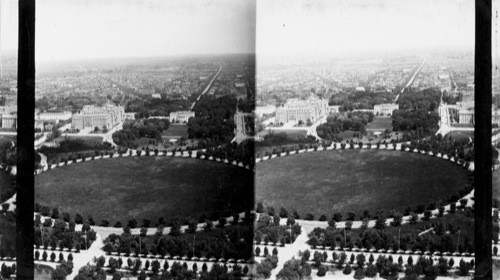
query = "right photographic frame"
x=367 y=120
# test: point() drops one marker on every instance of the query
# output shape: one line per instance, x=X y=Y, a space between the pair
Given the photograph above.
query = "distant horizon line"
x=137 y=57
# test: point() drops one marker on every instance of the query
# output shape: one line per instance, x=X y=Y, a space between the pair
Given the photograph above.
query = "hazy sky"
x=358 y=26
x=68 y=29
x=123 y=28
x=8 y=25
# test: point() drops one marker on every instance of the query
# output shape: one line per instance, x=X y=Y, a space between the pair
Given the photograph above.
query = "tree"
x=266 y=251
x=78 y=218
x=463 y=268
x=270 y=211
x=348 y=225
x=360 y=260
x=132 y=223
x=380 y=222
x=283 y=213
x=427 y=215
x=55 y=213
x=192 y=226
x=306 y=255
x=208 y=225
x=260 y=207
x=142 y=275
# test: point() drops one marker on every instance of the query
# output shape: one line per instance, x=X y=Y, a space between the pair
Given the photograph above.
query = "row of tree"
x=136 y=129
x=228 y=242
x=338 y=123
x=214 y=119
x=57 y=233
x=440 y=237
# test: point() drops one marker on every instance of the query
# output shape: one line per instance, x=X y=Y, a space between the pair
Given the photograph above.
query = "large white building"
x=181 y=116
x=302 y=110
x=385 y=109
x=54 y=116
x=91 y=116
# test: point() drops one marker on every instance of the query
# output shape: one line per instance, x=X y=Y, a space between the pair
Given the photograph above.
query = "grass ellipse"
x=325 y=182
x=148 y=187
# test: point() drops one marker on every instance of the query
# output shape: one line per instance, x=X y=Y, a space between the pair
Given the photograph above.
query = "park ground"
x=355 y=180
x=119 y=189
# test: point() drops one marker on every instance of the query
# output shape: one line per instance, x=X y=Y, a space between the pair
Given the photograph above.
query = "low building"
x=54 y=116
x=385 y=109
x=9 y=121
x=466 y=117
x=334 y=109
x=181 y=116
x=130 y=116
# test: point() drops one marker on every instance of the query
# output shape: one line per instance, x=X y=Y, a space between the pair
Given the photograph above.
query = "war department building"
x=91 y=116
x=302 y=110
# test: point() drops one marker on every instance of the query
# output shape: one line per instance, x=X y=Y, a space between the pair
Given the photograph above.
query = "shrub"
x=359 y=273
x=321 y=271
x=347 y=269
x=371 y=271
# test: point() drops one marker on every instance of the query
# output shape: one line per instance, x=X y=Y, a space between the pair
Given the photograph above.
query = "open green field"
x=6 y=190
x=176 y=130
x=146 y=187
x=89 y=140
x=7 y=237
x=7 y=138
x=496 y=184
x=43 y=272
x=459 y=135
x=354 y=180
x=380 y=124
x=292 y=133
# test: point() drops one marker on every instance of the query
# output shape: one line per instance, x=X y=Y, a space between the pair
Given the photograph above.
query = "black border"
x=25 y=140
x=482 y=141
